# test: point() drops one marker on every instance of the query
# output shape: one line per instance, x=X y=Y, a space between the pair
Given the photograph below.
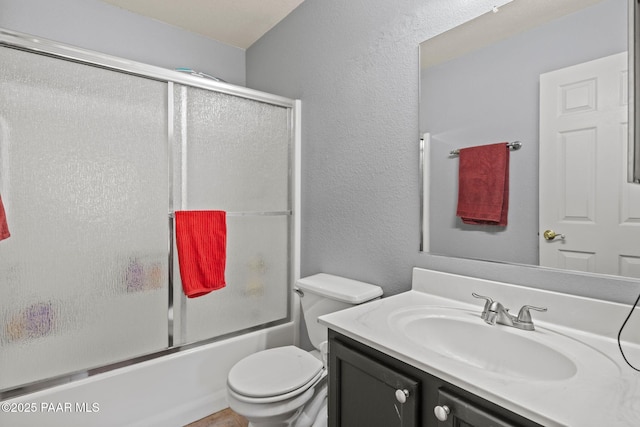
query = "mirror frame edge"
x=634 y=79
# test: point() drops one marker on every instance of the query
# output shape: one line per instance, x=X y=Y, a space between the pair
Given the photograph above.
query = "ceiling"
x=512 y=18
x=237 y=23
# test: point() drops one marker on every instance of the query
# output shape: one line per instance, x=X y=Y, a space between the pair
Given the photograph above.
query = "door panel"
x=584 y=193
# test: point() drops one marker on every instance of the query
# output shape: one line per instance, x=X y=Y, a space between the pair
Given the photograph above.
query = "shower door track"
x=32 y=44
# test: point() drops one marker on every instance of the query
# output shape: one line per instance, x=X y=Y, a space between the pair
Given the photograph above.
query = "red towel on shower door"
x=4 y=228
x=483 y=184
x=201 y=239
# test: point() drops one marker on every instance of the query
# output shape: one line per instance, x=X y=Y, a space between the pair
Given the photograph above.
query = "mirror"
x=481 y=84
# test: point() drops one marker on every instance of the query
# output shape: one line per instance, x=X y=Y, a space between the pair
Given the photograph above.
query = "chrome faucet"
x=494 y=312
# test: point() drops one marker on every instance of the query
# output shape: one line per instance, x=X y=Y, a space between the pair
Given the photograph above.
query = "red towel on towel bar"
x=201 y=239
x=4 y=228
x=483 y=184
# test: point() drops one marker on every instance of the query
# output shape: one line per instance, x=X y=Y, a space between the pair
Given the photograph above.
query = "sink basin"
x=463 y=337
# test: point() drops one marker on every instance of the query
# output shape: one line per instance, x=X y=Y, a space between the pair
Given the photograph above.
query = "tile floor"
x=224 y=418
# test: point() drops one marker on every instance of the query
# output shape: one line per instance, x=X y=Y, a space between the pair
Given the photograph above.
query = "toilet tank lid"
x=339 y=288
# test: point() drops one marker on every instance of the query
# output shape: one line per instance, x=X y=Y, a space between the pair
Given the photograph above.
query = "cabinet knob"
x=442 y=412
x=401 y=395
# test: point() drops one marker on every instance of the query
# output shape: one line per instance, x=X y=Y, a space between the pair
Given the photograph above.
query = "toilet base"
x=301 y=411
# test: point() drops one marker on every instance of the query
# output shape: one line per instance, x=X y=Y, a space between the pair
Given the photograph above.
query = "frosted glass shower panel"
x=236 y=157
x=237 y=152
x=84 y=180
x=257 y=280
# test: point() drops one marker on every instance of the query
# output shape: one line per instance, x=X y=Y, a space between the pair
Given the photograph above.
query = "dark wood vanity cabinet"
x=368 y=388
x=365 y=392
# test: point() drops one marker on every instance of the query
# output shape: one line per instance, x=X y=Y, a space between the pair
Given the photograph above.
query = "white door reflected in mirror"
x=583 y=182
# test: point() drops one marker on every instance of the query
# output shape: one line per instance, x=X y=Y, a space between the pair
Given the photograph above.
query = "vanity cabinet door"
x=455 y=411
x=364 y=392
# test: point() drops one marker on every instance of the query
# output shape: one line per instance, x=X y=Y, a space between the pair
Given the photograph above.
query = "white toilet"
x=287 y=386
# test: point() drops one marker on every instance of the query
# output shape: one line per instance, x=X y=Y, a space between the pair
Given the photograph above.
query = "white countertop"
x=604 y=397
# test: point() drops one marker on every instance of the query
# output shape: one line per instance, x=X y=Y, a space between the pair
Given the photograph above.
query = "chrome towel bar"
x=515 y=145
x=250 y=213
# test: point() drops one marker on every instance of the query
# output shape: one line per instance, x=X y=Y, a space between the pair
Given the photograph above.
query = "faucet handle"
x=488 y=302
x=524 y=316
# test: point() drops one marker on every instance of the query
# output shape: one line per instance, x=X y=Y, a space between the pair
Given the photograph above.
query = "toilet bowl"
x=274 y=375
x=287 y=386
x=273 y=387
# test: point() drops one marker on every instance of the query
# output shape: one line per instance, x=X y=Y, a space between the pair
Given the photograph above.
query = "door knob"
x=442 y=412
x=550 y=235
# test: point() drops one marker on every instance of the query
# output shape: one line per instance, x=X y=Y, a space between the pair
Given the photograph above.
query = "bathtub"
x=169 y=391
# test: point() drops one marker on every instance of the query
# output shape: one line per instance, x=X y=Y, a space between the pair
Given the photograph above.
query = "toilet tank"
x=325 y=293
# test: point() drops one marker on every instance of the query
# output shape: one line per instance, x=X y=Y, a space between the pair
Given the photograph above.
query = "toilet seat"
x=279 y=399
x=274 y=375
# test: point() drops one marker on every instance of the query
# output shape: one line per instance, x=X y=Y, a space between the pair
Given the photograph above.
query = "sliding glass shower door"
x=96 y=154
x=235 y=157
x=84 y=181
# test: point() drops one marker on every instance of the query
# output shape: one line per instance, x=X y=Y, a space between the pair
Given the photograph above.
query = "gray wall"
x=98 y=26
x=492 y=95
x=354 y=64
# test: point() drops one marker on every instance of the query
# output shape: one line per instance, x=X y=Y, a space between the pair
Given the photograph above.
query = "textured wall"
x=98 y=26
x=354 y=64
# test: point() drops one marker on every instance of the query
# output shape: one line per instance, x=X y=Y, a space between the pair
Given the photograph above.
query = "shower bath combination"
x=97 y=154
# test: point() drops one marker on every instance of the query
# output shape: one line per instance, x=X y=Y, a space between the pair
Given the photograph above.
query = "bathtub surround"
x=262 y=250
x=91 y=187
x=166 y=392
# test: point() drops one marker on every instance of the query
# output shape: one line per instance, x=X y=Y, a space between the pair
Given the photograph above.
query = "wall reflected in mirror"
x=488 y=91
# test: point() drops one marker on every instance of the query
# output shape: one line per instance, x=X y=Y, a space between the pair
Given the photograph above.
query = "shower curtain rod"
x=515 y=145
